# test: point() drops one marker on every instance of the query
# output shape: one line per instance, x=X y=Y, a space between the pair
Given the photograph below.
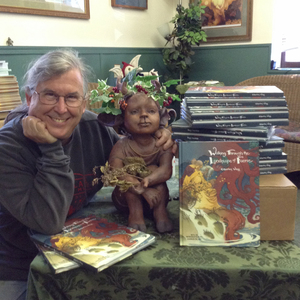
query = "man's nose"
x=61 y=105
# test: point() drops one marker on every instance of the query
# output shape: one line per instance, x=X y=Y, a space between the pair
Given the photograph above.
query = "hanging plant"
x=187 y=33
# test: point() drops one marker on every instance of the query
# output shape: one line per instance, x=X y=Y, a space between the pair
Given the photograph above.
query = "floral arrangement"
x=112 y=96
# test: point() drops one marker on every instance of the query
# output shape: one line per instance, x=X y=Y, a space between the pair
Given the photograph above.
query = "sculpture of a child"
x=141 y=117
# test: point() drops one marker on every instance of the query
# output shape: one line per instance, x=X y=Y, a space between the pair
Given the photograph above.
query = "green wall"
x=229 y=64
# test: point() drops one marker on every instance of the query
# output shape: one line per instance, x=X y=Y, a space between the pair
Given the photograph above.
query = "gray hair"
x=51 y=64
x=54 y=63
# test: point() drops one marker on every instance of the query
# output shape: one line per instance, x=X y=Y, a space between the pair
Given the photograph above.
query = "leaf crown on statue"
x=113 y=97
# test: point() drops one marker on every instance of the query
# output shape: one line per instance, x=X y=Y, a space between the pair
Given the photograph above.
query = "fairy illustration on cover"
x=95 y=241
x=219 y=194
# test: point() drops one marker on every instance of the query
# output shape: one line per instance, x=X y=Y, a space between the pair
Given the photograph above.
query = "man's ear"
x=110 y=120
x=28 y=99
x=84 y=105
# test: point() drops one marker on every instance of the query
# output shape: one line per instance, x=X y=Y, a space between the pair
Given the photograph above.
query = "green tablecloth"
x=166 y=270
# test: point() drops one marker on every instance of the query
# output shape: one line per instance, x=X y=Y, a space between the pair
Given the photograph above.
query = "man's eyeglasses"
x=50 y=98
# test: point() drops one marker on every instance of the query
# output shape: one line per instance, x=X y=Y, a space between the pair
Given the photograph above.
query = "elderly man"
x=48 y=150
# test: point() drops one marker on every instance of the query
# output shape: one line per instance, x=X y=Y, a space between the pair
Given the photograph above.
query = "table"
x=166 y=270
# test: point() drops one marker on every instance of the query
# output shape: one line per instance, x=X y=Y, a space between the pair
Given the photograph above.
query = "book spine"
x=216 y=109
x=238 y=132
x=203 y=137
x=234 y=95
x=263 y=157
x=197 y=138
x=238 y=116
x=268 y=145
x=235 y=124
x=223 y=103
x=271 y=171
x=271 y=164
x=270 y=152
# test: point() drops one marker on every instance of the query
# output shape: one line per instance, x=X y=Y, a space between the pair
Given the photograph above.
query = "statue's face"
x=141 y=115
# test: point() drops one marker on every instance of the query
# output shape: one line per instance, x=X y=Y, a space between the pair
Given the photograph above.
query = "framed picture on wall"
x=230 y=20
x=135 y=4
x=58 y=8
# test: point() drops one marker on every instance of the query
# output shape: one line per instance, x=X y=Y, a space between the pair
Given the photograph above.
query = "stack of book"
x=236 y=113
x=9 y=95
x=92 y=242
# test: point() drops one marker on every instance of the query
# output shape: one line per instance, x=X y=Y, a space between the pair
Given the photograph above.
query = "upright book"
x=234 y=91
x=95 y=242
x=219 y=194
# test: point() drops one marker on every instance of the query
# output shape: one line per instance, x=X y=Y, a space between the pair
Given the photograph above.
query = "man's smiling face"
x=60 y=119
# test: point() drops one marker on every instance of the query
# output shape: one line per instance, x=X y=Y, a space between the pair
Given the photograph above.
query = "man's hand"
x=35 y=129
x=164 y=138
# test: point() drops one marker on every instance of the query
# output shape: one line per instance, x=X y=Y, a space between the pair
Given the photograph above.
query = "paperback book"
x=272 y=170
x=8 y=79
x=237 y=103
x=95 y=243
x=3 y=114
x=213 y=109
x=264 y=142
x=270 y=151
x=272 y=163
x=265 y=157
x=235 y=115
x=183 y=136
x=274 y=142
x=234 y=91
x=58 y=263
x=181 y=125
x=219 y=194
x=236 y=123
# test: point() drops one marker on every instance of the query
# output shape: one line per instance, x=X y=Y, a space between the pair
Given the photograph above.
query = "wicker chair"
x=290 y=85
x=89 y=106
x=92 y=86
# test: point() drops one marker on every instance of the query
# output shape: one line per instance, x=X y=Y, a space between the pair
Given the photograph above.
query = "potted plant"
x=187 y=33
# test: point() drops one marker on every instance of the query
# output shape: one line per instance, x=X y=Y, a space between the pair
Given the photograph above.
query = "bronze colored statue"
x=146 y=167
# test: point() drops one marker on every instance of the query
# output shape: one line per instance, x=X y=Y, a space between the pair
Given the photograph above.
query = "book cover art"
x=219 y=194
x=234 y=91
x=95 y=242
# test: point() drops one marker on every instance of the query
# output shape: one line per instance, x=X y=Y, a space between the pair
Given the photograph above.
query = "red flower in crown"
x=123 y=104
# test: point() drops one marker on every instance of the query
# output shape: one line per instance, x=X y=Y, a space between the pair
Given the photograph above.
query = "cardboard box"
x=278 y=197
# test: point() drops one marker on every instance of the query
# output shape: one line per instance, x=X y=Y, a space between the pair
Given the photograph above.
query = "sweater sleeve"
x=37 y=187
